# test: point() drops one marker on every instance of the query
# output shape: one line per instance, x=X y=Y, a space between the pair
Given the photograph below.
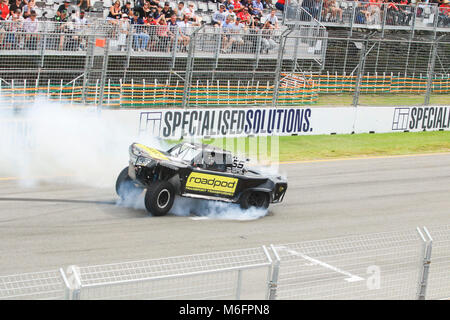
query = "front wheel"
x=125 y=186
x=159 y=198
x=254 y=199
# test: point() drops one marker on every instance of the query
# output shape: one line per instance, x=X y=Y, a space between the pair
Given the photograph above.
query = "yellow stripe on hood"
x=152 y=152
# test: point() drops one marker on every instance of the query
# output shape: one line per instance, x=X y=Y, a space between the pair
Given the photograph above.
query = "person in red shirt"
x=373 y=13
x=4 y=8
x=280 y=5
x=393 y=13
x=237 y=6
x=444 y=13
x=245 y=16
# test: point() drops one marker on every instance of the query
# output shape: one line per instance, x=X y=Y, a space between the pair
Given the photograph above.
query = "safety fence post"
x=425 y=263
x=273 y=283
x=72 y=282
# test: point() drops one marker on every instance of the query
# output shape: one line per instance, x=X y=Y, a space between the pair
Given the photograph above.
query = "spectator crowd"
x=156 y=25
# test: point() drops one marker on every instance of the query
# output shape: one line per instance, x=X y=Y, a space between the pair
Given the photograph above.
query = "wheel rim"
x=256 y=199
x=163 y=198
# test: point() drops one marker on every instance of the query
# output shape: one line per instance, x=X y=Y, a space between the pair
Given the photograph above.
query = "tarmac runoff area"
x=55 y=225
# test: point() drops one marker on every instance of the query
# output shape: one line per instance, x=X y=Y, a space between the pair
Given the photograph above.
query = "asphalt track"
x=55 y=225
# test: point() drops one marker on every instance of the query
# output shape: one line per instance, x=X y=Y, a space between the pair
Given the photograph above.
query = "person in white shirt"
x=189 y=11
x=185 y=26
x=31 y=27
x=219 y=16
x=80 y=21
x=231 y=13
x=235 y=30
x=179 y=10
x=272 y=18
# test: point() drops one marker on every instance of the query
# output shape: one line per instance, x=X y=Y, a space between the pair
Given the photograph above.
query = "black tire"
x=255 y=199
x=125 y=185
x=159 y=198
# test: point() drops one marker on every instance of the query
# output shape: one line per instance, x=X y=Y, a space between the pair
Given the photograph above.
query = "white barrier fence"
x=223 y=122
x=412 y=264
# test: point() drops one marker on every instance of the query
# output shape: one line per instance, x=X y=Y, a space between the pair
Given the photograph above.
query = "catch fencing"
x=405 y=264
x=117 y=64
x=418 y=16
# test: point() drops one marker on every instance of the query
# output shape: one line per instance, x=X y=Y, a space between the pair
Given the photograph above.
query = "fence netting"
x=390 y=265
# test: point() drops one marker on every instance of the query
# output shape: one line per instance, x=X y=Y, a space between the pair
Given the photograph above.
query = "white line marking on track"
x=199 y=218
x=351 y=277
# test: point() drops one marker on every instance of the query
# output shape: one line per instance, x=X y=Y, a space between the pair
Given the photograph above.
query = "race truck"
x=197 y=171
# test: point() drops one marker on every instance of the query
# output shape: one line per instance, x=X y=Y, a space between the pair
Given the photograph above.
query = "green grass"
x=381 y=99
x=295 y=148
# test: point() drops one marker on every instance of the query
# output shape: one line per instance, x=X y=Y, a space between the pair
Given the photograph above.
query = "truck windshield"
x=184 y=152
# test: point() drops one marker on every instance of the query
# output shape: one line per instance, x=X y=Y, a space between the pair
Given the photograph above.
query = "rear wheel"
x=125 y=186
x=159 y=198
x=254 y=199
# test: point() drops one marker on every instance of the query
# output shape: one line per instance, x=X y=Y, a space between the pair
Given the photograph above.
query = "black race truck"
x=197 y=171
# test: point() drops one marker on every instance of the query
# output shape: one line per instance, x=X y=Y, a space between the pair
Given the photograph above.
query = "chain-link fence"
x=379 y=266
x=405 y=264
x=415 y=16
x=48 y=285
x=118 y=64
x=439 y=278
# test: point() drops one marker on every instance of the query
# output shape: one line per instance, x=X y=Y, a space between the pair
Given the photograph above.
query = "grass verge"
x=298 y=148
x=367 y=99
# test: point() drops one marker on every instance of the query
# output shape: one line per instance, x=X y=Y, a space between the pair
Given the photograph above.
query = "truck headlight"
x=143 y=161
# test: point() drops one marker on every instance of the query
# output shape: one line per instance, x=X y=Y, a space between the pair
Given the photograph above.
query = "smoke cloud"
x=56 y=143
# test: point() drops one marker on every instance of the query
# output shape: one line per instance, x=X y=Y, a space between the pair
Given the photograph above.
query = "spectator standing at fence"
x=4 y=8
x=373 y=14
x=218 y=18
x=335 y=11
x=394 y=16
x=406 y=9
x=30 y=26
x=62 y=18
x=140 y=38
x=226 y=30
x=123 y=31
x=12 y=40
x=163 y=34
